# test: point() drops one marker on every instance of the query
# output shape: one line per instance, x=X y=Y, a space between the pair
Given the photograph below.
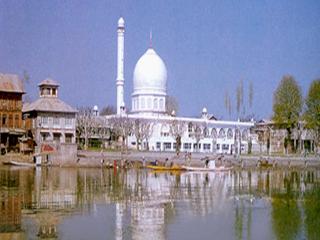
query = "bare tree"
x=171 y=105
x=176 y=129
x=85 y=124
x=142 y=130
x=250 y=94
x=227 y=103
x=122 y=127
x=239 y=93
x=108 y=110
x=198 y=134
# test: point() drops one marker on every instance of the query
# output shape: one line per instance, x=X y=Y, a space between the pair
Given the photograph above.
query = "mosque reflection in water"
x=137 y=204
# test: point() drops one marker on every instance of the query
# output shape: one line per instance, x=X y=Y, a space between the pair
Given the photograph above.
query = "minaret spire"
x=120 y=68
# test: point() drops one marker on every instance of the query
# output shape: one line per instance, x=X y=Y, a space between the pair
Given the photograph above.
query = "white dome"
x=150 y=74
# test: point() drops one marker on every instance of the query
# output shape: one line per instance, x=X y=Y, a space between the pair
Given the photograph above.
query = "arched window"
x=143 y=104
x=161 y=104
x=229 y=133
x=245 y=134
x=155 y=103
x=149 y=103
x=214 y=133
x=238 y=134
x=206 y=132
x=222 y=133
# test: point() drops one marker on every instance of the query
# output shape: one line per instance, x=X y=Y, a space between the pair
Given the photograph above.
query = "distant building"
x=272 y=138
x=52 y=123
x=11 y=91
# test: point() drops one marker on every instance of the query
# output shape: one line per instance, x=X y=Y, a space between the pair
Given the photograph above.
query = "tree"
x=177 y=128
x=108 y=110
x=85 y=124
x=171 y=105
x=239 y=93
x=142 y=129
x=198 y=134
x=122 y=127
x=227 y=103
x=250 y=97
x=312 y=112
x=287 y=105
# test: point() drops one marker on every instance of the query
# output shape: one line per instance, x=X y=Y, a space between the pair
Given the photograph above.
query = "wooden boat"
x=165 y=168
x=21 y=164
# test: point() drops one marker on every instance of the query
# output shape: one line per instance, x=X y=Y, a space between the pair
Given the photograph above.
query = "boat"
x=209 y=166
x=165 y=168
x=21 y=164
x=206 y=169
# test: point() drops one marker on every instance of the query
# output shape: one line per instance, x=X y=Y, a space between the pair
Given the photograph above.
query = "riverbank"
x=135 y=158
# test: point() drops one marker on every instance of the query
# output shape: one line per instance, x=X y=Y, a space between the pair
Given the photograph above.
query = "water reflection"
x=138 y=204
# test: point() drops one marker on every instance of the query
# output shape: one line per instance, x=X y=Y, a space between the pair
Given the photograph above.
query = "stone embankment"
x=106 y=158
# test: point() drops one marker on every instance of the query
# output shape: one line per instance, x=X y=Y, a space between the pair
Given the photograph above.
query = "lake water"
x=70 y=203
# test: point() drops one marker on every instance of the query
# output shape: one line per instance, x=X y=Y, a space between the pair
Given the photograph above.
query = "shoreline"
x=106 y=159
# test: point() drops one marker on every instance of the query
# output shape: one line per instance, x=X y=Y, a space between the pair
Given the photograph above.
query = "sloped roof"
x=48 y=105
x=11 y=83
x=48 y=82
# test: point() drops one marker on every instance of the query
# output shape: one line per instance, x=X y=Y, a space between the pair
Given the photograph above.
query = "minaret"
x=120 y=67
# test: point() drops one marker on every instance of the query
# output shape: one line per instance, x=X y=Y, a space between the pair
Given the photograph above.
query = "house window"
x=167 y=145
x=4 y=120
x=190 y=127
x=56 y=137
x=44 y=121
x=218 y=146
x=68 y=122
x=206 y=146
x=45 y=136
x=10 y=121
x=225 y=146
x=158 y=146
x=174 y=145
x=16 y=121
x=56 y=121
x=54 y=92
x=187 y=146
x=68 y=137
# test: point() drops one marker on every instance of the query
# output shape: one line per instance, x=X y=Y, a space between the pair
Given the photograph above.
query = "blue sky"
x=207 y=46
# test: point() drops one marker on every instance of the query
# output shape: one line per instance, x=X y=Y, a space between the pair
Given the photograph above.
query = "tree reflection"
x=286 y=214
x=312 y=211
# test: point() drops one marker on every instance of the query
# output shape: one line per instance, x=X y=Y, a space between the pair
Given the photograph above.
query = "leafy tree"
x=171 y=105
x=287 y=105
x=312 y=112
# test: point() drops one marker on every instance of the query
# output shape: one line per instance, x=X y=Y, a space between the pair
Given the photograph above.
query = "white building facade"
x=202 y=134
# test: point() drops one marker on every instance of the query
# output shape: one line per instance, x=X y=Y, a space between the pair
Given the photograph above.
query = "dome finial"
x=150 y=39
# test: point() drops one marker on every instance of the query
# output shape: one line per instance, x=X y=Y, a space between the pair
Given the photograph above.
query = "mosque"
x=167 y=132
